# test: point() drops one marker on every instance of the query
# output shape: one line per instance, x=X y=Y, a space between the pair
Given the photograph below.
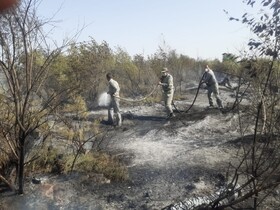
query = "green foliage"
x=89 y=63
x=85 y=65
x=57 y=78
x=126 y=72
x=76 y=106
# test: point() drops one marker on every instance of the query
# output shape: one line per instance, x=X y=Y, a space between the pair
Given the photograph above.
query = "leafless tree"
x=25 y=60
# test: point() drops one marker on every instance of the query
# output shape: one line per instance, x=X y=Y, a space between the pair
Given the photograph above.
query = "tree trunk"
x=21 y=167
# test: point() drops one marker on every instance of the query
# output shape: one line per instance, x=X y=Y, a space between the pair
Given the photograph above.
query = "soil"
x=168 y=160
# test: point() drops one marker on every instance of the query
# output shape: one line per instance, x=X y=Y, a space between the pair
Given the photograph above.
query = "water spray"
x=104 y=100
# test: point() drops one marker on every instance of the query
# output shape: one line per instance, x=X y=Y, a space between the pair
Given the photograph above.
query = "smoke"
x=104 y=100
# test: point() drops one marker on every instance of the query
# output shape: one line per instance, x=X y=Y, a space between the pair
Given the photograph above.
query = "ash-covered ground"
x=168 y=160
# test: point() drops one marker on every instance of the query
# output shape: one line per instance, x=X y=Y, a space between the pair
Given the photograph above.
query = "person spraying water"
x=212 y=87
x=166 y=82
x=104 y=100
x=114 y=105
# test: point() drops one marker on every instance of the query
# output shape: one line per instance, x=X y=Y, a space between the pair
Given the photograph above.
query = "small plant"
x=46 y=161
x=103 y=163
x=51 y=161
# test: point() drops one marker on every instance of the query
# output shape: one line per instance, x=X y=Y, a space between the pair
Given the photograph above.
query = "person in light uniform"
x=166 y=82
x=114 y=106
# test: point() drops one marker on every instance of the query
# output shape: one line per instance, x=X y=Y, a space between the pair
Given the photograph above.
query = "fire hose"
x=144 y=98
x=137 y=100
x=197 y=91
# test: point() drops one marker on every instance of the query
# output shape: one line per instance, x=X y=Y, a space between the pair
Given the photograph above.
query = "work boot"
x=220 y=103
x=170 y=115
x=109 y=122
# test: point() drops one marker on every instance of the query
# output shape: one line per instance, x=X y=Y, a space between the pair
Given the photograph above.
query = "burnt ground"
x=168 y=160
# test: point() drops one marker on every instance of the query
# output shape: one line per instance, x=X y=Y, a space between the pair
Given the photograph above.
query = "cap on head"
x=164 y=70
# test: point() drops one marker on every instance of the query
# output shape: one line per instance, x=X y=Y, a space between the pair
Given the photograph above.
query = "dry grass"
x=98 y=162
x=50 y=161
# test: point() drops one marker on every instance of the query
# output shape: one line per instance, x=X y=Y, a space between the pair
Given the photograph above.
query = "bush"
x=50 y=161
x=103 y=163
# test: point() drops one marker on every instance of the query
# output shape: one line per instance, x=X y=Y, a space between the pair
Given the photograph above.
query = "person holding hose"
x=212 y=87
x=114 y=91
x=166 y=82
